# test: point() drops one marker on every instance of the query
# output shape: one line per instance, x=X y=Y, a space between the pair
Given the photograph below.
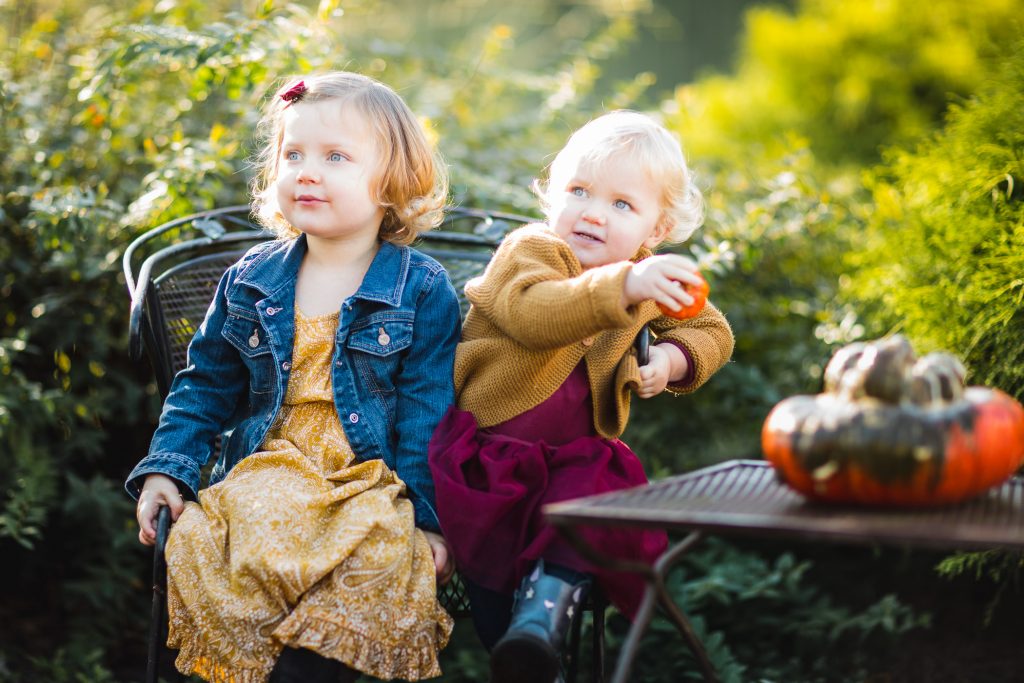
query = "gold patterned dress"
x=302 y=546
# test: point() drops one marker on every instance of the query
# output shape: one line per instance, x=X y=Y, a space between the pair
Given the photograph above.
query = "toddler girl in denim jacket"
x=326 y=361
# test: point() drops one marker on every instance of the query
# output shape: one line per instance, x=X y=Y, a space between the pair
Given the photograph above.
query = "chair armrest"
x=643 y=346
x=163 y=528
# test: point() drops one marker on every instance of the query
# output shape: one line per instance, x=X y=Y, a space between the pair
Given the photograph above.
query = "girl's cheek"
x=281 y=189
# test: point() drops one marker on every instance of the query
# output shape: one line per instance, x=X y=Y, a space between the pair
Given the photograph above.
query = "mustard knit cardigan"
x=535 y=313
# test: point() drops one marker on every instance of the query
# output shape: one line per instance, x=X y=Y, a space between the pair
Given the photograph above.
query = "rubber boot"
x=531 y=649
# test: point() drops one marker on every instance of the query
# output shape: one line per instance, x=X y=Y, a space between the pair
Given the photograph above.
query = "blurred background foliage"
x=862 y=164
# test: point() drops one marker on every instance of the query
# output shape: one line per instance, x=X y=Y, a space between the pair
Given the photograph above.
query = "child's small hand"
x=443 y=563
x=158 y=490
x=660 y=278
x=654 y=376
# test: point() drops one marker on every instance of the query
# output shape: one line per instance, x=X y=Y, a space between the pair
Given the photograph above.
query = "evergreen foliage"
x=951 y=208
x=850 y=77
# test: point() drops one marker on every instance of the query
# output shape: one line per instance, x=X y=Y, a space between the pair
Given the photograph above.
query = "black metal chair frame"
x=164 y=316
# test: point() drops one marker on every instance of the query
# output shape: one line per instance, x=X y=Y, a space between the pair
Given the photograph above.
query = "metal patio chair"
x=172 y=273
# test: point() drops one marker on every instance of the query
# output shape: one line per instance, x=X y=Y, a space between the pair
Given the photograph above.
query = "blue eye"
x=622 y=204
x=336 y=156
x=578 y=191
x=291 y=156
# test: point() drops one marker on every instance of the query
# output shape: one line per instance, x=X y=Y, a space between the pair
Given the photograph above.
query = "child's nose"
x=593 y=216
x=307 y=174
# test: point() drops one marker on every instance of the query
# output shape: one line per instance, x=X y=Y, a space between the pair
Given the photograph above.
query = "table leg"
x=656 y=590
x=661 y=569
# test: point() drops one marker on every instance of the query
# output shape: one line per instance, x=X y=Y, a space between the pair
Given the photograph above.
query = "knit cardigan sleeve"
x=707 y=337
x=535 y=291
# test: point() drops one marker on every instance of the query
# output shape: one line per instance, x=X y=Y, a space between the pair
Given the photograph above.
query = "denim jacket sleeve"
x=427 y=389
x=202 y=398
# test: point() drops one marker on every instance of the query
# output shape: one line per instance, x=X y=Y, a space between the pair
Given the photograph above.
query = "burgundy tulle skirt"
x=492 y=485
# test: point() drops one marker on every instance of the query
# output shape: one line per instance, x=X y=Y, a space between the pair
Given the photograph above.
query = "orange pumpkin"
x=892 y=429
x=699 y=292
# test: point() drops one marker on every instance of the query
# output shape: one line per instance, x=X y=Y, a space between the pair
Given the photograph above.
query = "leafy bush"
x=952 y=208
x=850 y=77
x=763 y=618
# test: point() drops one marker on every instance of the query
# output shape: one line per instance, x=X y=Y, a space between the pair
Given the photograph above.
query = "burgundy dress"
x=492 y=483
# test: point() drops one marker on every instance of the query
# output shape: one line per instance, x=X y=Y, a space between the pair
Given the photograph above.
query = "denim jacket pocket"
x=244 y=331
x=376 y=345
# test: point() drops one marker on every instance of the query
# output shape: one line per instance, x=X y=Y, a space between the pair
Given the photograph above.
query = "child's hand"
x=157 y=491
x=654 y=376
x=443 y=563
x=660 y=278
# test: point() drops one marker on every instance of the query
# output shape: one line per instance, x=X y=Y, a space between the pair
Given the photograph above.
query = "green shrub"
x=849 y=77
x=763 y=618
x=951 y=208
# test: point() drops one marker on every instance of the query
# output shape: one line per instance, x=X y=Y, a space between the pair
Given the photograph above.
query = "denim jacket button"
x=272 y=311
x=286 y=365
x=254 y=340
x=338 y=363
x=353 y=418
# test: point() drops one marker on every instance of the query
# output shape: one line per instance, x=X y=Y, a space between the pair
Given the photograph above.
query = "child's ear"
x=659 y=234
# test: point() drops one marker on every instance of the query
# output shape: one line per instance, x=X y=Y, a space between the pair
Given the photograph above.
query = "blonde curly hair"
x=651 y=145
x=411 y=183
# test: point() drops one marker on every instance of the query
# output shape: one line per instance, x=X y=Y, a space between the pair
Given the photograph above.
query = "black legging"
x=491 y=612
x=299 y=665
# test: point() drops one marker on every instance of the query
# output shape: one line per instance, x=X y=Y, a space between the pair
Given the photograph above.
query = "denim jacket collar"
x=278 y=266
x=386 y=278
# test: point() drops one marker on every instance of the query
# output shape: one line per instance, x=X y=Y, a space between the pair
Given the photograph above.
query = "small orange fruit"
x=699 y=293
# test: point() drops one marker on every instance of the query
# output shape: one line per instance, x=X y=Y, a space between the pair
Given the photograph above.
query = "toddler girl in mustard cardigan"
x=543 y=376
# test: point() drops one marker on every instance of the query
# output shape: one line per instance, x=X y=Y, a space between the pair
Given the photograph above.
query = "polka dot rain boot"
x=531 y=649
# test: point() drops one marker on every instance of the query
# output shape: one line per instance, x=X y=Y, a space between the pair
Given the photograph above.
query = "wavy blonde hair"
x=411 y=183
x=652 y=146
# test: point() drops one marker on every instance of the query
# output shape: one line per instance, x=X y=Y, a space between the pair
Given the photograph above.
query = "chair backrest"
x=172 y=271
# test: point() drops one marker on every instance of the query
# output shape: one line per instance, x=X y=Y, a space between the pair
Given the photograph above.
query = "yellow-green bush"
x=943 y=253
x=849 y=77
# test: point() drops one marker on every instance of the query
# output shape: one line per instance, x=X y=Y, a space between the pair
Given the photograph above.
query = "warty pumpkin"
x=892 y=429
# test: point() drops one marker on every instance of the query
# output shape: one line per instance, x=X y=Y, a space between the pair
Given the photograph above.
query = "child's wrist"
x=679 y=361
x=687 y=371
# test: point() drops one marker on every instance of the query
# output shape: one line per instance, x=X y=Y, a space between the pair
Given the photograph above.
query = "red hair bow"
x=294 y=93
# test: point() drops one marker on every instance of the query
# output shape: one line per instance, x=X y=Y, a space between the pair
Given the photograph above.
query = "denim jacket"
x=390 y=388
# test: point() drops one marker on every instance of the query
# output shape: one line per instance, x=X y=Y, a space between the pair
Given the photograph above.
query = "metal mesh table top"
x=745 y=497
